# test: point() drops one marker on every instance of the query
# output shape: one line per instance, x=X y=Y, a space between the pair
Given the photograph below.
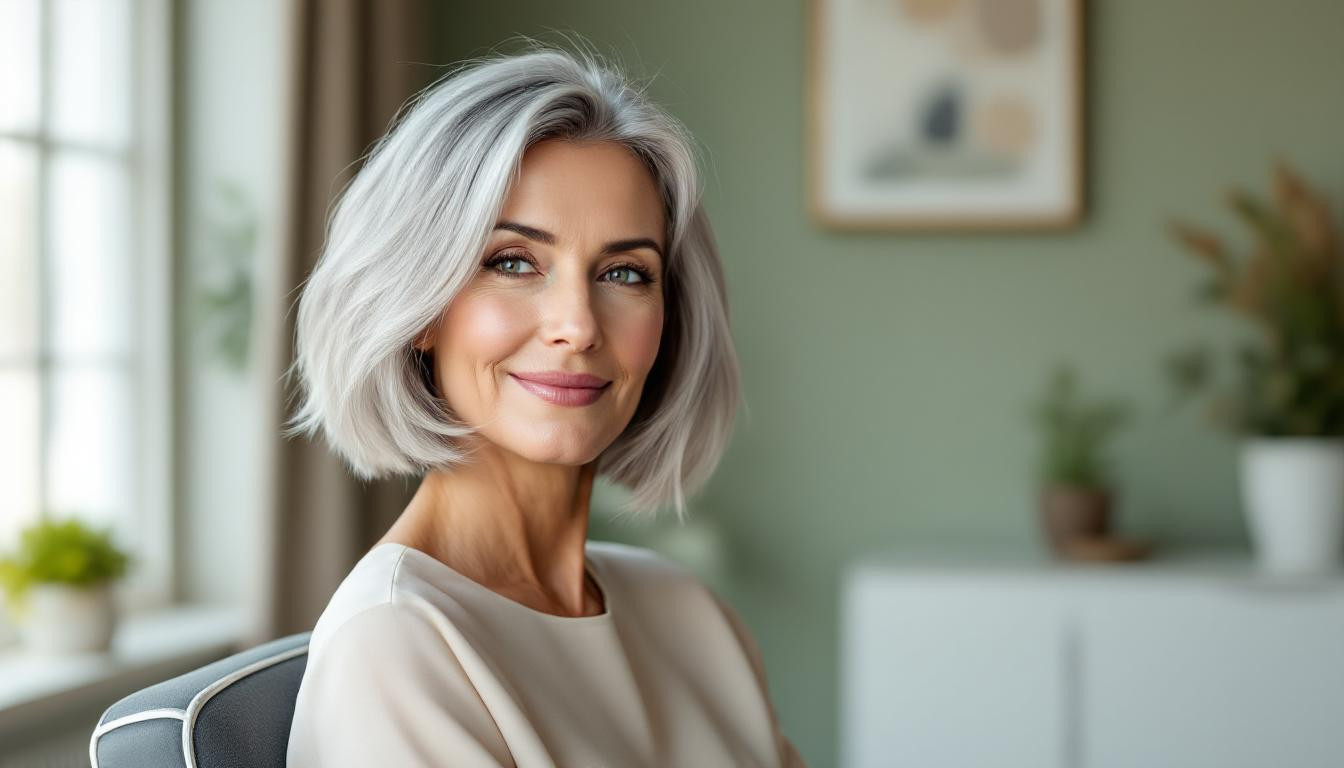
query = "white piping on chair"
x=148 y=714
x=199 y=700
x=188 y=716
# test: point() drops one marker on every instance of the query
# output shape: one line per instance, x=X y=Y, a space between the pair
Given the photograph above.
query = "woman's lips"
x=562 y=395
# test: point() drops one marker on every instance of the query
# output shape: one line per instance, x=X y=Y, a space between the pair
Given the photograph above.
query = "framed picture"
x=946 y=114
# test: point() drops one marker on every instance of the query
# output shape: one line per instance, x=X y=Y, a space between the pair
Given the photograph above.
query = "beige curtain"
x=354 y=63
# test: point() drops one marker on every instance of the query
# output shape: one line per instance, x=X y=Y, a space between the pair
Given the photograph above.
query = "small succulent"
x=1075 y=433
x=61 y=551
x=1290 y=286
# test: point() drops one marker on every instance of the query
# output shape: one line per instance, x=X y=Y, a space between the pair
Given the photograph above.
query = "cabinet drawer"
x=1210 y=675
x=942 y=672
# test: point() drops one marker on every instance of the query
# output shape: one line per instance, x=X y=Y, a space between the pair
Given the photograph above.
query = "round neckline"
x=590 y=567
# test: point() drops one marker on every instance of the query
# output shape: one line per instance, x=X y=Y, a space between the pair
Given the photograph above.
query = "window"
x=84 y=273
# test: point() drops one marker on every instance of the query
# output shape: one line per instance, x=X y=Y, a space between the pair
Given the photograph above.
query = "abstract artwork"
x=946 y=114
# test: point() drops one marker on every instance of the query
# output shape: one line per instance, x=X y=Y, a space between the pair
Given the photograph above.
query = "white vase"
x=61 y=618
x=1293 y=493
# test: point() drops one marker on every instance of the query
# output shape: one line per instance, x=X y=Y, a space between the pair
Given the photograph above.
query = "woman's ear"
x=424 y=342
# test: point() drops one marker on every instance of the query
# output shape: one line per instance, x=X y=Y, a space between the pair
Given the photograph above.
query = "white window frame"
x=150 y=525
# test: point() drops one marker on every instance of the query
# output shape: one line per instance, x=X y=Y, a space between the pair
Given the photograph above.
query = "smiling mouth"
x=566 y=396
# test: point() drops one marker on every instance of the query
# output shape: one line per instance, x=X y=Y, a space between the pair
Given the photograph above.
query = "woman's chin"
x=571 y=450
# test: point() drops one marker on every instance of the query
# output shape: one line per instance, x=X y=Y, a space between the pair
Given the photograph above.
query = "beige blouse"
x=414 y=664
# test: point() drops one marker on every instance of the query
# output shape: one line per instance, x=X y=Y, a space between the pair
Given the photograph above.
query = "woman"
x=519 y=290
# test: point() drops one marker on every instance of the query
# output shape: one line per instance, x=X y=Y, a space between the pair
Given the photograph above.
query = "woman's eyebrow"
x=546 y=238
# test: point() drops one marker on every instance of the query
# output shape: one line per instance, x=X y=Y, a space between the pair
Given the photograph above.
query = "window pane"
x=19 y=61
x=20 y=415
x=18 y=252
x=89 y=204
x=92 y=450
x=91 y=70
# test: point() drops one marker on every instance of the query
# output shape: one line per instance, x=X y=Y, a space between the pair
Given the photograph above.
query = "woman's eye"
x=626 y=274
x=517 y=266
x=509 y=265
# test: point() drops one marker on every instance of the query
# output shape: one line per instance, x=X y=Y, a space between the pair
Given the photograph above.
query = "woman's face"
x=570 y=282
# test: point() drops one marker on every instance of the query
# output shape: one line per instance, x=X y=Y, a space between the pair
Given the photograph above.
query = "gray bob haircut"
x=408 y=232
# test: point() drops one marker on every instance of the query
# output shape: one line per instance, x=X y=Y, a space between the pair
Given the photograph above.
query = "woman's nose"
x=567 y=315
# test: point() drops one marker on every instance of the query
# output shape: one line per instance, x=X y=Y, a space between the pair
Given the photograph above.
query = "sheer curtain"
x=354 y=63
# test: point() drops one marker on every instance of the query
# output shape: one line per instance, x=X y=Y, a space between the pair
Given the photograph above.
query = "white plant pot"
x=61 y=618
x=1293 y=493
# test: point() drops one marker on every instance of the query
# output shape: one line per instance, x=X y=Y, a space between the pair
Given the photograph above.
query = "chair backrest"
x=235 y=712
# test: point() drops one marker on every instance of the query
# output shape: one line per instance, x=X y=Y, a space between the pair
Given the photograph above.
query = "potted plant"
x=1075 y=486
x=1287 y=399
x=58 y=586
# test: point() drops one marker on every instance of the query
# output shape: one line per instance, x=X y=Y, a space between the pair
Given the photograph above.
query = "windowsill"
x=37 y=690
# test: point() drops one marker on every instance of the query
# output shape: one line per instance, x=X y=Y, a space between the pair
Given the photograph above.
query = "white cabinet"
x=1206 y=673
x=1187 y=662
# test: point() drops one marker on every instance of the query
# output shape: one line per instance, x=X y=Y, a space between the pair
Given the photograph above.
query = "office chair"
x=234 y=712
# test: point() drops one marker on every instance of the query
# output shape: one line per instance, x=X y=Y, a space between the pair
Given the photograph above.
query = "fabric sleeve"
x=386 y=689
x=788 y=754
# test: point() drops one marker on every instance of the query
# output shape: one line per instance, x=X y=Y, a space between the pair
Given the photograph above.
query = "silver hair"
x=407 y=234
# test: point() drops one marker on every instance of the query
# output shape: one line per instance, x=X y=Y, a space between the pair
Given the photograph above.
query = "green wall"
x=886 y=375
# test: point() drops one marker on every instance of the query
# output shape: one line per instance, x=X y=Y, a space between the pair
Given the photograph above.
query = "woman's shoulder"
x=388 y=684
x=368 y=602
x=659 y=589
x=684 y=612
x=627 y=556
x=640 y=568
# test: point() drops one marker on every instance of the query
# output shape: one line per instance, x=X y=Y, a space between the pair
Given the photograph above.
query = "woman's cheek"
x=480 y=332
x=640 y=337
x=492 y=325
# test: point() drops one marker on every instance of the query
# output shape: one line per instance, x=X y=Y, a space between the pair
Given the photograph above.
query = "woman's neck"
x=513 y=526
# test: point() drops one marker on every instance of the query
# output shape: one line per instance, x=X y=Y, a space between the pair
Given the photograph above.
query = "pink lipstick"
x=559 y=388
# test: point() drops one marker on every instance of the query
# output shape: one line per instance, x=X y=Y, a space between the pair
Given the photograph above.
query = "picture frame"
x=946 y=115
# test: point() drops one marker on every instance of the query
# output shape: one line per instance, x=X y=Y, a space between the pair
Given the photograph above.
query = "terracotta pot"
x=1072 y=512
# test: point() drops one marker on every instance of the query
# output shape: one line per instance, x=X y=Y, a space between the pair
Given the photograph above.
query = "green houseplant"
x=58 y=585
x=1286 y=398
x=1073 y=477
